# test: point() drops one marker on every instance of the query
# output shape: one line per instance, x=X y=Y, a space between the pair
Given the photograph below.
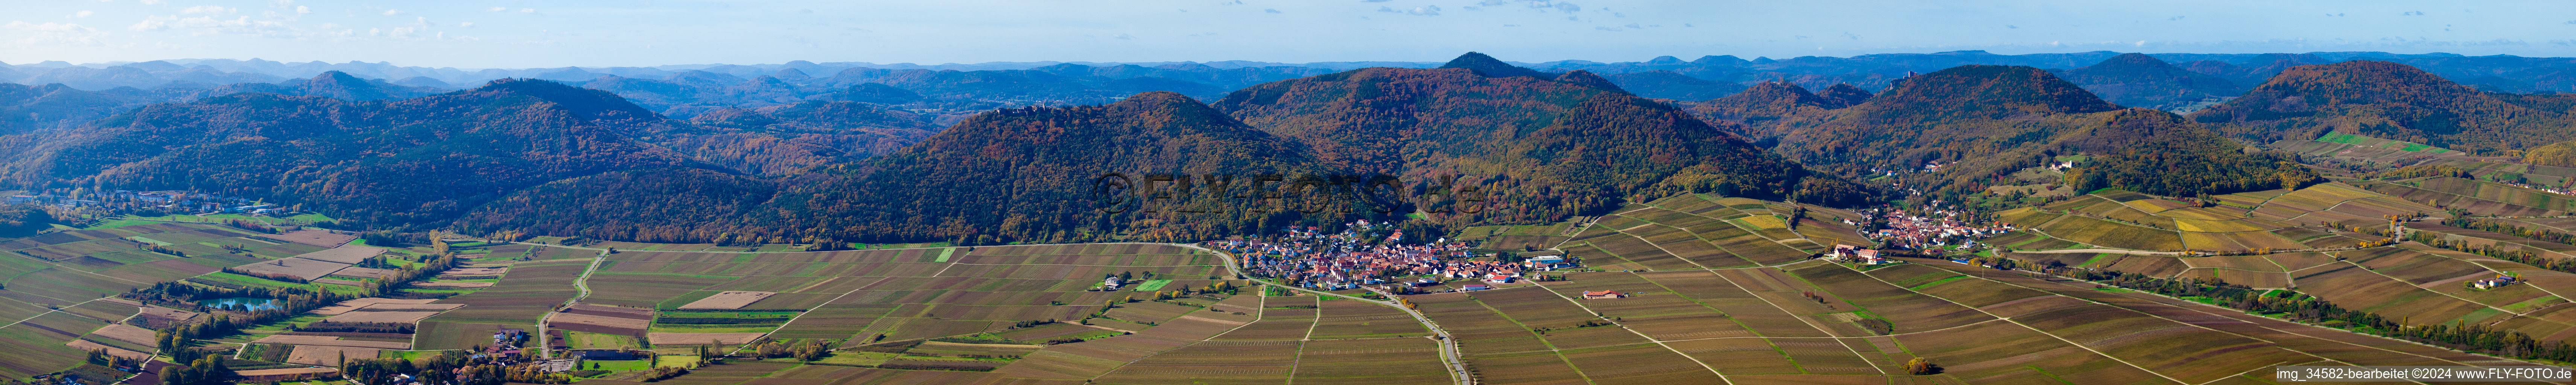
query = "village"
x=167 y=202
x=1937 y=228
x=1304 y=256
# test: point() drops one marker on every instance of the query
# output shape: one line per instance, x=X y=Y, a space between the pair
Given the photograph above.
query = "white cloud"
x=302 y=10
x=280 y=3
x=54 y=33
x=465 y=24
x=1427 y=10
x=206 y=9
x=496 y=9
x=527 y=10
x=391 y=12
x=83 y=13
x=151 y=2
x=209 y=25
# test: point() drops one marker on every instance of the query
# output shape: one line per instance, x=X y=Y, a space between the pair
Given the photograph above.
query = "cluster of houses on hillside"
x=170 y=201
x=1928 y=229
x=1308 y=257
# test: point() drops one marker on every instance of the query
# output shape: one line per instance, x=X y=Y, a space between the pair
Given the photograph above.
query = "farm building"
x=1549 y=262
x=2491 y=283
x=1473 y=287
x=1604 y=294
x=1855 y=254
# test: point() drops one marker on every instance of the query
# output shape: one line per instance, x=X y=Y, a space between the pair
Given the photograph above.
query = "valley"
x=2127 y=221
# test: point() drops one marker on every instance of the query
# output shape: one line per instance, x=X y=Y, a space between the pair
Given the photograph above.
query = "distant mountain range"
x=1014 y=155
x=943 y=94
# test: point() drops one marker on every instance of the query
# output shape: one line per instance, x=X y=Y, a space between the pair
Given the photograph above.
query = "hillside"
x=1553 y=149
x=1660 y=84
x=1979 y=124
x=391 y=163
x=784 y=139
x=2138 y=80
x=1848 y=94
x=1024 y=174
x=2384 y=100
x=1770 y=109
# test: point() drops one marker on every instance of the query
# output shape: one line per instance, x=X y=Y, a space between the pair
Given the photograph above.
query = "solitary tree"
x=1921 y=367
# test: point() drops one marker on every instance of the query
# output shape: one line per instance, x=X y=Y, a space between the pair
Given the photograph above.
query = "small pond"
x=245 y=302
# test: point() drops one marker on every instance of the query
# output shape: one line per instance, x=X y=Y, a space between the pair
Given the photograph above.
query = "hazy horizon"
x=534 y=34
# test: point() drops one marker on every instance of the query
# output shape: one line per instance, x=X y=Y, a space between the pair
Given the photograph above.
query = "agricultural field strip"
x=55 y=310
x=580 y=283
x=766 y=252
x=1309 y=332
x=2195 y=307
x=2080 y=345
x=2480 y=266
x=1542 y=340
x=1713 y=274
x=1834 y=338
x=1060 y=264
x=1756 y=232
x=2338 y=204
x=1775 y=305
x=791 y=320
x=84 y=271
x=1448 y=344
x=1311 y=326
x=1695 y=360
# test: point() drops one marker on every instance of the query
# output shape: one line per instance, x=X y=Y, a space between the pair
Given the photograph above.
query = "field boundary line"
x=1721 y=377
x=1542 y=339
x=1842 y=338
x=1301 y=347
x=2481 y=304
x=1596 y=314
x=792 y=320
x=2188 y=305
x=103 y=275
x=2072 y=342
x=2491 y=270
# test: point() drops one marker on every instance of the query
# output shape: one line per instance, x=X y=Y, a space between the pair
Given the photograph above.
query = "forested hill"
x=392 y=163
x=787 y=139
x=2138 y=80
x=1770 y=109
x=1536 y=149
x=2386 y=100
x=1962 y=113
x=1551 y=148
x=1024 y=174
x=1979 y=124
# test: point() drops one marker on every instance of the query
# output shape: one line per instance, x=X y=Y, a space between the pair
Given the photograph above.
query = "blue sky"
x=534 y=33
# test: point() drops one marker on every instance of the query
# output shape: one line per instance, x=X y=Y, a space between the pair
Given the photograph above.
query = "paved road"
x=545 y=347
